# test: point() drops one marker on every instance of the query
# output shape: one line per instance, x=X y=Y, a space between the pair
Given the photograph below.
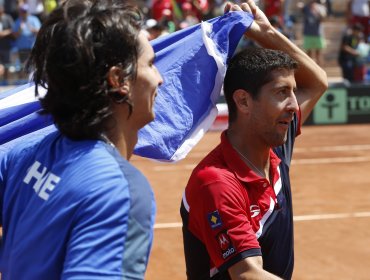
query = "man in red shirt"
x=237 y=207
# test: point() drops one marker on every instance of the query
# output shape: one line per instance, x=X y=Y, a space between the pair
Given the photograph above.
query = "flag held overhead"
x=192 y=62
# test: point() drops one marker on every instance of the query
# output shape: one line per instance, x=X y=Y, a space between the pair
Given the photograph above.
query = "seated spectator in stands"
x=50 y=5
x=24 y=31
x=153 y=29
x=6 y=41
x=358 y=11
x=275 y=22
x=158 y=7
x=189 y=16
x=37 y=8
x=214 y=9
x=199 y=7
x=167 y=22
x=274 y=8
x=350 y=59
x=10 y=7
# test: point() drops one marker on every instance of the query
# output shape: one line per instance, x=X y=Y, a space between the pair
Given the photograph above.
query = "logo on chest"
x=255 y=210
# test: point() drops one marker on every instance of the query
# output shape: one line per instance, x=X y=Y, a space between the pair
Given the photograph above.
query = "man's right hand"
x=260 y=24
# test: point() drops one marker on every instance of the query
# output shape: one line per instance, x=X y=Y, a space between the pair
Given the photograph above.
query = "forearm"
x=309 y=75
x=350 y=50
x=5 y=33
x=256 y=275
x=250 y=269
x=310 y=78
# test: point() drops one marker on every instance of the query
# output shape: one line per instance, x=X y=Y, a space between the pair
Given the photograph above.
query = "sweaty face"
x=274 y=107
x=144 y=88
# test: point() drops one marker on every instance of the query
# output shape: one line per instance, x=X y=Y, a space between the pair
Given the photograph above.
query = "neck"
x=124 y=133
x=264 y=173
x=251 y=151
x=124 y=143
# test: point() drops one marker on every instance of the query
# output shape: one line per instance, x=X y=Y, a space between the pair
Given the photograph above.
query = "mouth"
x=285 y=122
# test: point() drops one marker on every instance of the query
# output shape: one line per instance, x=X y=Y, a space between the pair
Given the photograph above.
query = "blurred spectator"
x=50 y=5
x=159 y=6
x=199 y=7
x=6 y=40
x=274 y=9
x=329 y=7
x=352 y=59
x=358 y=11
x=313 y=37
x=154 y=29
x=36 y=8
x=167 y=22
x=189 y=16
x=214 y=9
x=24 y=31
x=10 y=7
x=276 y=22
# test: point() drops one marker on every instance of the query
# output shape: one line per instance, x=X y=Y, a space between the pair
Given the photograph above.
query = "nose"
x=293 y=103
x=160 y=79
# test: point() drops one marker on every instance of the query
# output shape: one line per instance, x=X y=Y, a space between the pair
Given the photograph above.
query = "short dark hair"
x=75 y=48
x=250 y=69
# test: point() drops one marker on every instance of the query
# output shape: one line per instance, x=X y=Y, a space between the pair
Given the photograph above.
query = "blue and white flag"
x=192 y=63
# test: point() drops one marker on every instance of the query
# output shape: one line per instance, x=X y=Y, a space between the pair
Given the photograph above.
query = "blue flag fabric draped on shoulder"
x=192 y=62
x=193 y=66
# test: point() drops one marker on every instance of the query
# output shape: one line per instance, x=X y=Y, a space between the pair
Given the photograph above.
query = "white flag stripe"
x=205 y=124
x=24 y=96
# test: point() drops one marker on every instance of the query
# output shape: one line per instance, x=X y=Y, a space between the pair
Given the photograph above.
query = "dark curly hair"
x=250 y=69
x=74 y=50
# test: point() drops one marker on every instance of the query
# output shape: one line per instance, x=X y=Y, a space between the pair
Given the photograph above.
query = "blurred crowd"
x=166 y=16
x=20 y=21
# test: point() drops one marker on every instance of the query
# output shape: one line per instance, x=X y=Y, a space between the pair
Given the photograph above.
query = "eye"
x=283 y=92
x=151 y=62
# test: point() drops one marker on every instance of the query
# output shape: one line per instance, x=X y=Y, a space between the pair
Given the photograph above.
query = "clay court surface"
x=331 y=193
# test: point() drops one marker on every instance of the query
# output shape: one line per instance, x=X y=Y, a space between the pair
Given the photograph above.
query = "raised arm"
x=311 y=79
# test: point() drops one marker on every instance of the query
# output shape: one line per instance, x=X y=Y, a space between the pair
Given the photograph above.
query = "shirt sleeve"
x=221 y=222
x=96 y=243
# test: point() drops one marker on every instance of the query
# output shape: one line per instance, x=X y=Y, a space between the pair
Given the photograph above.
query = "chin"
x=279 y=141
x=151 y=118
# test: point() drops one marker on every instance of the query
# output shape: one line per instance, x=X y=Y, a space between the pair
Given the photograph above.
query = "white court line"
x=340 y=148
x=296 y=219
x=173 y=167
x=294 y=162
x=332 y=148
x=329 y=160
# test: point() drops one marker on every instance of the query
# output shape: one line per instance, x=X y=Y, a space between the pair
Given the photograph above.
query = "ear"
x=242 y=100
x=116 y=81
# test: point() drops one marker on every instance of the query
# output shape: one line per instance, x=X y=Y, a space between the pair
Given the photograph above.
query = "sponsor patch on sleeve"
x=226 y=246
x=214 y=219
